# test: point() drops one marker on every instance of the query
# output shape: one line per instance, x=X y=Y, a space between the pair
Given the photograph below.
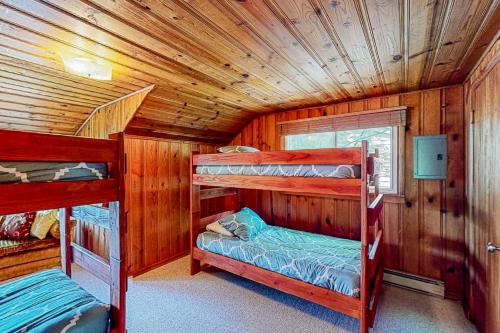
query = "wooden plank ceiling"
x=218 y=63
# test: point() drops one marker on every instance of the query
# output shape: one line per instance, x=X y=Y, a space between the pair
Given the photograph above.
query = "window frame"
x=396 y=174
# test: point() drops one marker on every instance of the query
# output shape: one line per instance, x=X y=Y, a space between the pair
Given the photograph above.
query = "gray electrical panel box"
x=430 y=157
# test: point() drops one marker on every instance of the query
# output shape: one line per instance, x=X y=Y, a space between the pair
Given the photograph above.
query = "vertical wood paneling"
x=411 y=213
x=393 y=232
x=150 y=195
x=483 y=192
x=430 y=238
x=173 y=188
x=158 y=200
x=135 y=198
x=454 y=223
x=184 y=175
x=164 y=230
x=421 y=237
x=327 y=216
x=104 y=120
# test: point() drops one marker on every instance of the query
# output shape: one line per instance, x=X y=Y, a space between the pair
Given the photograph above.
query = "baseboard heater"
x=414 y=282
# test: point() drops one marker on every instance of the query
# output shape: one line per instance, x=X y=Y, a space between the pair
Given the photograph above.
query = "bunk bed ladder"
x=365 y=292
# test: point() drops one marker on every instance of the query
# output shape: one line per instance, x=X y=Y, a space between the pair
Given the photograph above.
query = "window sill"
x=394 y=198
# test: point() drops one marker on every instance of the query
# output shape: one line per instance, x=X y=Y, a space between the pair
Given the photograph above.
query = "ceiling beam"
x=113 y=116
x=145 y=126
x=177 y=136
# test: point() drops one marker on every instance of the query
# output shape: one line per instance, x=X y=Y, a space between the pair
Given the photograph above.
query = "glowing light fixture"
x=92 y=69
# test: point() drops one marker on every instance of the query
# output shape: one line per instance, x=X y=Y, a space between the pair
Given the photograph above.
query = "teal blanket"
x=49 y=301
x=324 y=261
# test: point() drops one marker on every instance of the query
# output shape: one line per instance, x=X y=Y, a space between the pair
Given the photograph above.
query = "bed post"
x=365 y=288
x=376 y=175
x=65 y=239
x=118 y=246
x=194 y=208
x=376 y=267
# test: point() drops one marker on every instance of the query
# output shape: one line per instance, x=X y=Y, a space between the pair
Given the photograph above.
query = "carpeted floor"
x=168 y=299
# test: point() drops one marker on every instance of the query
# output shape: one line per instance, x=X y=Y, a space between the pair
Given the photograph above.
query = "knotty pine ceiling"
x=218 y=63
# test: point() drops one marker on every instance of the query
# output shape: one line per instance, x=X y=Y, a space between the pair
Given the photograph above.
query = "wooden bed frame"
x=363 y=308
x=23 y=197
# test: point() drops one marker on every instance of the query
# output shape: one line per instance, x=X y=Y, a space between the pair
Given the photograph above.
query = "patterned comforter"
x=27 y=172
x=324 y=261
x=50 y=302
x=289 y=170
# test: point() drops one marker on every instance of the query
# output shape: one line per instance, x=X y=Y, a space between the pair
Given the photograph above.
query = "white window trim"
x=394 y=163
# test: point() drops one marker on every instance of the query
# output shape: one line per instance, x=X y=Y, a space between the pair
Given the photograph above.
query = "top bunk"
x=45 y=171
x=332 y=171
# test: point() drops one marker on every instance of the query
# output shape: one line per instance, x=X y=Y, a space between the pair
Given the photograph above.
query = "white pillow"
x=237 y=149
x=218 y=228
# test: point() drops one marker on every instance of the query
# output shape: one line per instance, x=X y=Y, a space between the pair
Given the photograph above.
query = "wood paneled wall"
x=92 y=237
x=483 y=192
x=424 y=226
x=113 y=117
x=157 y=184
x=157 y=201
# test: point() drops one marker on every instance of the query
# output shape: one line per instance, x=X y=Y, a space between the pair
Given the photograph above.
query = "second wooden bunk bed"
x=209 y=186
x=19 y=197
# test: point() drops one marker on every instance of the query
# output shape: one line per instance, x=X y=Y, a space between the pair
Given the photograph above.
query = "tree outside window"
x=383 y=138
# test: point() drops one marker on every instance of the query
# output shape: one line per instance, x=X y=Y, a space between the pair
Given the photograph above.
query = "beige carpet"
x=168 y=299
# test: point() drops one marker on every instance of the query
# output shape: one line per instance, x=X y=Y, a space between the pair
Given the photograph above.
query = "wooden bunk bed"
x=20 y=197
x=208 y=186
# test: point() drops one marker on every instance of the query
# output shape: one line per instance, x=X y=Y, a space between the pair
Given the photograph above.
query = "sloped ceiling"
x=217 y=63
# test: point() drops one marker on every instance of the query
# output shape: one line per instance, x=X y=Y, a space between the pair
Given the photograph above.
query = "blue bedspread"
x=49 y=301
x=324 y=261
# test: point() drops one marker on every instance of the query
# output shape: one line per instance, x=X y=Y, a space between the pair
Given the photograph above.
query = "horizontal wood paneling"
x=219 y=63
x=424 y=227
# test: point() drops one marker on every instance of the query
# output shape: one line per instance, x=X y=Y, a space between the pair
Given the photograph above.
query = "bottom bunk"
x=50 y=301
x=324 y=261
x=347 y=305
x=322 y=269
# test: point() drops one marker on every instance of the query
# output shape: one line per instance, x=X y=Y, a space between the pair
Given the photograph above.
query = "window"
x=383 y=138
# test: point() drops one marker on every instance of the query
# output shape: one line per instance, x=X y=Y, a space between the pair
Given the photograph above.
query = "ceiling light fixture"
x=92 y=69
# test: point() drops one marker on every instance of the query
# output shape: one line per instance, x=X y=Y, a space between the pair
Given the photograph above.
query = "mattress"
x=49 y=301
x=324 y=261
x=27 y=172
x=288 y=170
